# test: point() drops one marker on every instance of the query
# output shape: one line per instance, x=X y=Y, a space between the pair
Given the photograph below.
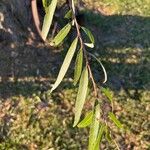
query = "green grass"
x=31 y=119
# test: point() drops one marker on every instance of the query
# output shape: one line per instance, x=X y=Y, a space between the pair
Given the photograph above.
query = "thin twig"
x=117 y=146
x=103 y=68
x=36 y=17
x=93 y=81
x=85 y=53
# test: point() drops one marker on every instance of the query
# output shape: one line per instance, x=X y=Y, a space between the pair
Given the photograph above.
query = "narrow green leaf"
x=61 y=35
x=115 y=120
x=78 y=66
x=86 y=121
x=107 y=93
x=65 y=64
x=94 y=128
x=89 y=34
x=68 y=15
x=81 y=95
x=108 y=135
x=48 y=18
x=99 y=137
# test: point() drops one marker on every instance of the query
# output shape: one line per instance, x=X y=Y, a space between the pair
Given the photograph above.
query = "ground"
x=31 y=119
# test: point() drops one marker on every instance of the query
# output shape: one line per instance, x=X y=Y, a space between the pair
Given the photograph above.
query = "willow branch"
x=85 y=54
x=36 y=17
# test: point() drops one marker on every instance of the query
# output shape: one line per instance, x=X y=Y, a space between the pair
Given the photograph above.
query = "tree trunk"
x=15 y=19
x=22 y=54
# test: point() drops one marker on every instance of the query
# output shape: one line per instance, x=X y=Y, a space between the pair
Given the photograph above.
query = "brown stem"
x=85 y=55
x=93 y=81
x=36 y=17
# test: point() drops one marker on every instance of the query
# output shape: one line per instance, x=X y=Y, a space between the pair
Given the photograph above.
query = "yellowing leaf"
x=81 y=95
x=86 y=121
x=65 y=64
x=61 y=35
x=48 y=18
x=94 y=128
x=78 y=66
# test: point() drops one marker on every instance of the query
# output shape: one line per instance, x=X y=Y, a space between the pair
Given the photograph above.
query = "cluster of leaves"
x=102 y=112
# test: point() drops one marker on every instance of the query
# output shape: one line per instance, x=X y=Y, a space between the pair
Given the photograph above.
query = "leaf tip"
x=52 y=89
x=74 y=124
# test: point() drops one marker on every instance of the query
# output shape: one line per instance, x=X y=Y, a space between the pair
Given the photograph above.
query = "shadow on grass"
x=122 y=43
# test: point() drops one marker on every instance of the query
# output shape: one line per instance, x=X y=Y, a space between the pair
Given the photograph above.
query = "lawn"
x=31 y=119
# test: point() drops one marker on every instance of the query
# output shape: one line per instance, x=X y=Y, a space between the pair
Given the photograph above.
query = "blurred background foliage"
x=30 y=119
